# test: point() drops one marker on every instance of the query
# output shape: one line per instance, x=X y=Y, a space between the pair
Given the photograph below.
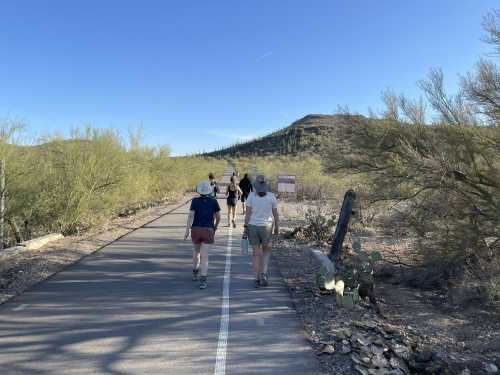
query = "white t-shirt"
x=262 y=208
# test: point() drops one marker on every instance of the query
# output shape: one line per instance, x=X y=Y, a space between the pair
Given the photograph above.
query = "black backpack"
x=216 y=187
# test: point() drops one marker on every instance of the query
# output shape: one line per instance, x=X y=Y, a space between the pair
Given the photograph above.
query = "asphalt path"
x=132 y=308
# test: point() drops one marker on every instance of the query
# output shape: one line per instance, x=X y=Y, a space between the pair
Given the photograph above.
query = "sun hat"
x=204 y=188
x=260 y=184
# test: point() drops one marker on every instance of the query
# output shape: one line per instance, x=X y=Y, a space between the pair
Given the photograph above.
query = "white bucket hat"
x=260 y=185
x=204 y=188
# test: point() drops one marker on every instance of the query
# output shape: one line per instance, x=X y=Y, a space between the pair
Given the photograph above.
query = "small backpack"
x=216 y=187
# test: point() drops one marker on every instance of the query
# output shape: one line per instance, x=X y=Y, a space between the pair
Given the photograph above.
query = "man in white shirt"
x=262 y=210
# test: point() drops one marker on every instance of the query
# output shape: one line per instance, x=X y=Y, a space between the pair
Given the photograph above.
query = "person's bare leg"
x=196 y=261
x=204 y=259
x=244 y=206
x=257 y=261
x=233 y=215
x=196 y=256
x=228 y=215
x=203 y=266
x=266 y=257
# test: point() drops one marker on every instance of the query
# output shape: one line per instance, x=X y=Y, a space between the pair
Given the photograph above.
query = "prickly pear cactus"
x=356 y=270
x=326 y=278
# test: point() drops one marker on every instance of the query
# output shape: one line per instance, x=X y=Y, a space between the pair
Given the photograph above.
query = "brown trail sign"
x=286 y=184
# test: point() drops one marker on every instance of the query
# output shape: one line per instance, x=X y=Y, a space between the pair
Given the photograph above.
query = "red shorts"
x=202 y=235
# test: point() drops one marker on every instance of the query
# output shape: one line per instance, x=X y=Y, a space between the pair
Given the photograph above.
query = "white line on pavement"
x=20 y=307
x=220 y=362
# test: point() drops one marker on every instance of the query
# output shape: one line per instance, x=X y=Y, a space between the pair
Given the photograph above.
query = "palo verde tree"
x=441 y=178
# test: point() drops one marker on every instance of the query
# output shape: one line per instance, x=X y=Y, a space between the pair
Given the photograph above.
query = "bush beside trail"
x=70 y=185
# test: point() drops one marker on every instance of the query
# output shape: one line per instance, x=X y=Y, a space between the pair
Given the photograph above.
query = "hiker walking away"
x=262 y=208
x=233 y=193
x=246 y=188
x=203 y=220
x=213 y=183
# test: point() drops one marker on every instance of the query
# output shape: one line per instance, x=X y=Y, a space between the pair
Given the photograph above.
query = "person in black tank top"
x=233 y=193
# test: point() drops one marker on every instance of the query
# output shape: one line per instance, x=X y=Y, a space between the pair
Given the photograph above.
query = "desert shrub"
x=444 y=181
x=493 y=289
x=73 y=184
x=320 y=224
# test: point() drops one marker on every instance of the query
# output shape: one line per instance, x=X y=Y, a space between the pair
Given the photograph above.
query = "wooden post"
x=2 y=202
x=342 y=226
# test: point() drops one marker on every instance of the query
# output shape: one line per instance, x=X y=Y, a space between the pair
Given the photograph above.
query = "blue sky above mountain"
x=197 y=75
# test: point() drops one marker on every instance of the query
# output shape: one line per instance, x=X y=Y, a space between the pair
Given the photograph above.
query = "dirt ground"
x=22 y=269
x=441 y=336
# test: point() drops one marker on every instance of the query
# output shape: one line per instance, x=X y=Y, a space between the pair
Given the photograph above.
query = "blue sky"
x=200 y=74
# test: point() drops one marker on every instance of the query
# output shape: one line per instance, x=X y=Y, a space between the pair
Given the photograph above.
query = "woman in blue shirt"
x=203 y=219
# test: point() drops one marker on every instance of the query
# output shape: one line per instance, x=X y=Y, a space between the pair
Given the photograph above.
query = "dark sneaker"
x=203 y=282
x=256 y=283
x=195 y=275
x=234 y=224
x=264 y=279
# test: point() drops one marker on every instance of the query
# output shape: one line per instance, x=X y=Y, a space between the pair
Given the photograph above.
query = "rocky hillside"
x=304 y=135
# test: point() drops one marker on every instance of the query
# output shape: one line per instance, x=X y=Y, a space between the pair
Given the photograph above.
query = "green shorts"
x=258 y=235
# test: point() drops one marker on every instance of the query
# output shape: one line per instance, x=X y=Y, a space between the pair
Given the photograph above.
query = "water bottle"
x=244 y=245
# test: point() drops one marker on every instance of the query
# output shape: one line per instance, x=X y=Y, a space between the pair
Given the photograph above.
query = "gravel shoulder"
x=417 y=332
x=21 y=269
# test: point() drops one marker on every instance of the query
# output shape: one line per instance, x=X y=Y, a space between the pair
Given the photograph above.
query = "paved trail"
x=132 y=309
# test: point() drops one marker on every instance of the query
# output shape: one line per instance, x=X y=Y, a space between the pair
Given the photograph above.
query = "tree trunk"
x=342 y=226
x=15 y=230
x=27 y=230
